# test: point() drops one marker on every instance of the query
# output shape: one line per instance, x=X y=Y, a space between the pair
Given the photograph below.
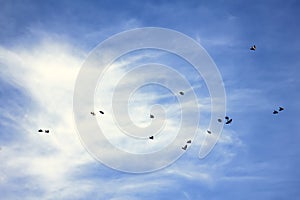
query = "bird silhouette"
x=275 y=112
x=229 y=121
x=281 y=108
x=151 y=116
x=47 y=131
x=92 y=113
x=209 y=132
x=253 y=48
x=151 y=137
x=220 y=120
x=184 y=148
x=181 y=93
x=40 y=130
x=189 y=141
x=101 y=112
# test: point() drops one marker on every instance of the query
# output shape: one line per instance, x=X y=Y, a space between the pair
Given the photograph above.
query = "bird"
x=220 y=120
x=181 y=93
x=253 y=48
x=47 y=131
x=281 y=108
x=189 y=141
x=228 y=121
x=184 y=148
x=209 y=132
x=92 y=113
x=275 y=112
x=151 y=116
x=101 y=112
x=151 y=137
x=40 y=130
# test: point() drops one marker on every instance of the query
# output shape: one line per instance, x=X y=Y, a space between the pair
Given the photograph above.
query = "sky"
x=43 y=46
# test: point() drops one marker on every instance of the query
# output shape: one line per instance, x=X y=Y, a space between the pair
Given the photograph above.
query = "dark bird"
x=181 y=93
x=227 y=118
x=92 y=113
x=275 y=112
x=189 y=141
x=40 y=130
x=209 y=132
x=229 y=121
x=47 y=131
x=220 y=120
x=184 y=148
x=101 y=112
x=281 y=108
x=151 y=116
x=253 y=48
x=151 y=137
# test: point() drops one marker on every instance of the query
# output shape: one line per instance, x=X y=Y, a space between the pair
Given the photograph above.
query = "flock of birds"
x=100 y=111
x=41 y=131
x=279 y=110
x=227 y=119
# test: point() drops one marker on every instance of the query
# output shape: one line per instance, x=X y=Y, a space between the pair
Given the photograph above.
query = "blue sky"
x=43 y=45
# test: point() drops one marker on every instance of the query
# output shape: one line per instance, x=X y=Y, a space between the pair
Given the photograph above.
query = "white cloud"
x=47 y=73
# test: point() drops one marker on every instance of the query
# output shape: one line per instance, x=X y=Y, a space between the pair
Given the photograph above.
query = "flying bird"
x=151 y=137
x=220 y=120
x=281 y=108
x=47 y=131
x=275 y=112
x=151 y=116
x=228 y=121
x=40 y=130
x=101 y=112
x=189 y=141
x=184 y=148
x=92 y=113
x=209 y=132
x=253 y=48
x=181 y=93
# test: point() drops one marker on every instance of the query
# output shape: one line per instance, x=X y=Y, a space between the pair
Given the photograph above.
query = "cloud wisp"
x=46 y=73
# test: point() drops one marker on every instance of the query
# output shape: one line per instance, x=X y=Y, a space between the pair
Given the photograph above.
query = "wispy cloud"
x=46 y=72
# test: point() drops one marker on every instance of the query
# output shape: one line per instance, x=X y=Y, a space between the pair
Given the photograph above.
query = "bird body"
x=229 y=121
x=281 y=108
x=253 y=48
